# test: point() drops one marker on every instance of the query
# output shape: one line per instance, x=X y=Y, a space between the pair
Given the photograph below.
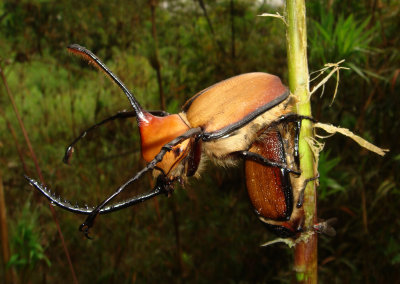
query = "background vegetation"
x=207 y=232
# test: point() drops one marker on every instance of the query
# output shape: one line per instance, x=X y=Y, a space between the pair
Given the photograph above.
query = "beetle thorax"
x=220 y=150
x=156 y=132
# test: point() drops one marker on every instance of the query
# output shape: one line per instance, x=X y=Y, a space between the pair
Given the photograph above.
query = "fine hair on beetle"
x=220 y=123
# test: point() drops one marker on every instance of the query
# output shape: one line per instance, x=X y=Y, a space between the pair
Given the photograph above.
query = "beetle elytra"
x=274 y=192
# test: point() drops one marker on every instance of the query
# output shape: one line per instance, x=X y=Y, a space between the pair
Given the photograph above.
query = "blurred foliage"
x=342 y=38
x=26 y=242
x=329 y=181
x=59 y=96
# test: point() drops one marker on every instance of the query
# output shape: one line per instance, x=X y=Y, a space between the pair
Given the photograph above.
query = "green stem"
x=305 y=260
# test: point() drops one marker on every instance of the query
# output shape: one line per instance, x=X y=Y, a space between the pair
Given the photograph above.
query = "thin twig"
x=9 y=274
x=172 y=204
x=17 y=146
x=38 y=170
x=157 y=64
x=277 y=15
x=217 y=42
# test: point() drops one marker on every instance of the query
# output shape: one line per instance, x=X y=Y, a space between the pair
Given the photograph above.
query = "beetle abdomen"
x=269 y=187
x=274 y=191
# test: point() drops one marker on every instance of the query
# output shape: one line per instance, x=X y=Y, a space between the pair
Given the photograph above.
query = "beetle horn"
x=93 y=59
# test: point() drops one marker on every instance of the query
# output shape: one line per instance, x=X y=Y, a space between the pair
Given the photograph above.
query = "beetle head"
x=155 y=132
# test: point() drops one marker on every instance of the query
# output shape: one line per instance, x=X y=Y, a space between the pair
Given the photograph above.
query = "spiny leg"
x=297 y=119
x=296 y=154
x=292 y=117
x=301 y=195
x=151 y=165
x=162 y=186
x=262 y=160
x=159 y=188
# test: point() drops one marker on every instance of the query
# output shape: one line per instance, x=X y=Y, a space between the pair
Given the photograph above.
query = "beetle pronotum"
x=221 y=122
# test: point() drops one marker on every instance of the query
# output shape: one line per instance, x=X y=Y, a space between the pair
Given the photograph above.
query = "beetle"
x=220 y=122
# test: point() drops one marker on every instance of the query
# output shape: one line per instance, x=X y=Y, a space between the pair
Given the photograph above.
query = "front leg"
x=264 y=161
x=151 y=165
x=163 y=186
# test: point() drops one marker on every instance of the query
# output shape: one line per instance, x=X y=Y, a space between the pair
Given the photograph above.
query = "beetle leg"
x=301 y=195
x=297 y=119
x=158 y=189
x=151 y=165
x=162 y=186
x=262 y=160
x=120 y=115
x=292 y=117
x=296 y=154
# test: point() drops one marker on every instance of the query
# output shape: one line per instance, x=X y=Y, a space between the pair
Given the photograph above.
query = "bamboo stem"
x=305 y=254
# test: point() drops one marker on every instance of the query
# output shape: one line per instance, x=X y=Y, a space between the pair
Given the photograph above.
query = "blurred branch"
x=38 y=170
x=163 y=107
x=21 y=124
x=9 y=274
x=156 y=61
x=232 y=12
x=217 y=42
x=17 y=146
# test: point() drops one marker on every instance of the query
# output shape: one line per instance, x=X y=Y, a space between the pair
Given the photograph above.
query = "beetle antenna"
x=95 y=61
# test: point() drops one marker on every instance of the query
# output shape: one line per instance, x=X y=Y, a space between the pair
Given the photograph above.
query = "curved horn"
x=93 y=59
